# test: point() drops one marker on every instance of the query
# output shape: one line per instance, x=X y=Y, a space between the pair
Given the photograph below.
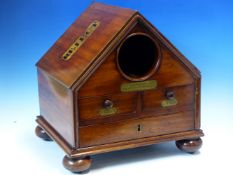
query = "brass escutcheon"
x=107 y=111
x=169 y=102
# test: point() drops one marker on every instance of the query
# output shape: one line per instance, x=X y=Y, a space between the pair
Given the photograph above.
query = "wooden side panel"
x=56 y=106
x=135 y=129
x=198 y=103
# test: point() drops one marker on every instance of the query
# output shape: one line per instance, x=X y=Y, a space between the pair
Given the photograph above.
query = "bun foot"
x=77 y=165
x=189 y=145
x=42 y=134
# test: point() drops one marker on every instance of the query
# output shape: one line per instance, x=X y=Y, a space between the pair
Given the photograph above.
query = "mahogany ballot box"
x=112 y=81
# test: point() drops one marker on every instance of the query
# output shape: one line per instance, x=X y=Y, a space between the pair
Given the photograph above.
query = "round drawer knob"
x=107 y=103
x=169 y=94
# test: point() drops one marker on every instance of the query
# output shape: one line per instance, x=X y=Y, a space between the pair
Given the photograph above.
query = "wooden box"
x=112 y=81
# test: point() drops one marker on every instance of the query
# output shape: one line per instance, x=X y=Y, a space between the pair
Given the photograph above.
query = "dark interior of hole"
x=137 y=56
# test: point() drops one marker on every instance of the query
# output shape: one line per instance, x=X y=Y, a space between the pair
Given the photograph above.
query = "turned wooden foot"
x=42 y=134
x=77 y=165
x=189 y=145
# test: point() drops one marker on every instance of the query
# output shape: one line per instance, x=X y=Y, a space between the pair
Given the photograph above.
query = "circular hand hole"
x=138 y=57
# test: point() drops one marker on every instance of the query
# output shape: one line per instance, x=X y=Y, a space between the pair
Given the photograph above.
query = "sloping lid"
x=111 y=20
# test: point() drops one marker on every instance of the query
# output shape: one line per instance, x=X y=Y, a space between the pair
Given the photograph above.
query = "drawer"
x=162 y=100
x=95 y=108
x=135 y=128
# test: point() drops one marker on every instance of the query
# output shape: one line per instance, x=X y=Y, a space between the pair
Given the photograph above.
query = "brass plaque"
x=167 y=103
x=107 y=111
x=78 y=42
x=139 y=86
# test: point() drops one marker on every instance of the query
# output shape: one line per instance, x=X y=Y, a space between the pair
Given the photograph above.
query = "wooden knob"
x=107 y=103
x=169 y=94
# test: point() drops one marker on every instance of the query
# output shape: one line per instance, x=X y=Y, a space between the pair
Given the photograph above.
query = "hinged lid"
x=98 y=25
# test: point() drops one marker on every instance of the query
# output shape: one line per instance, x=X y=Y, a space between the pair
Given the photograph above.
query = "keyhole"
x=139 y=128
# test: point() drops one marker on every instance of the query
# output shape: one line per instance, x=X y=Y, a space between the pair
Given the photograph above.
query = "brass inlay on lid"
x=78 y=42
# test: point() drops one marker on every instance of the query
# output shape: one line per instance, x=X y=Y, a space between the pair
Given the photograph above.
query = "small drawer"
x=95 y=108
x=135 y=128
x=169 y=99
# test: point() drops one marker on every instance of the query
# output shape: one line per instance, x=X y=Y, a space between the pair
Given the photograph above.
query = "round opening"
x=138 y=57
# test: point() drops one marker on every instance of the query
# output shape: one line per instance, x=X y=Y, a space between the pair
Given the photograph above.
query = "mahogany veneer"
x=112 y=81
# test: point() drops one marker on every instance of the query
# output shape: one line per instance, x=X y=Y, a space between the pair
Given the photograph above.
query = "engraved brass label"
x=107 y=111
x=139 y=86
x=78 y=42
x=167 y=103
